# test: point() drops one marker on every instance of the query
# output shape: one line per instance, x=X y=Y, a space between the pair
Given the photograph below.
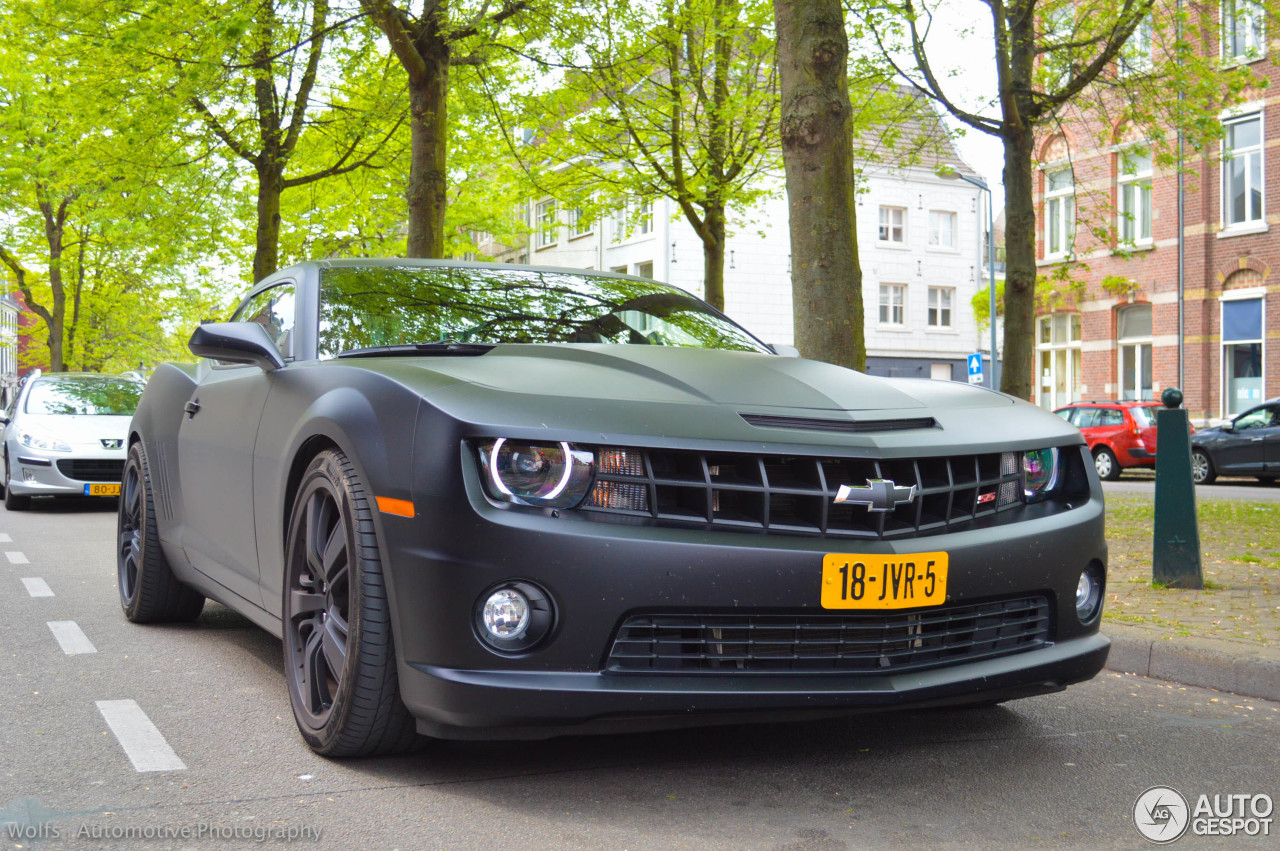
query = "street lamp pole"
x=991 y=262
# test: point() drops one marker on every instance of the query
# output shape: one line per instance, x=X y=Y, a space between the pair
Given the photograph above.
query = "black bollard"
x=1175 y=557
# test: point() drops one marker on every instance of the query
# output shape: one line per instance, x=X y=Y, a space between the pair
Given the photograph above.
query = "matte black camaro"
x=479 y=501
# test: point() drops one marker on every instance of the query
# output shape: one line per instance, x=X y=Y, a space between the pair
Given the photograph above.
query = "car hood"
x=662 y=395
x=75 y=429
x=695 y=376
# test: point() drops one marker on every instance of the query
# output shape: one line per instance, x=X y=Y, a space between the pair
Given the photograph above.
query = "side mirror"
x=1229 y=426
x=236 y=342
x=782 y=350
x=4 y=419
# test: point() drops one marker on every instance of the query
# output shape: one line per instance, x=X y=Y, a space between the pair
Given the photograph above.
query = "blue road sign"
x=975 y=368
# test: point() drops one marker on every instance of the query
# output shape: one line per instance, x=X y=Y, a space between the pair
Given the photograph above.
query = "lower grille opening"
x=874 y=643
x=89 y=470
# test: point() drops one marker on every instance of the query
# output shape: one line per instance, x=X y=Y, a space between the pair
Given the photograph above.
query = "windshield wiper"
x=442 y=347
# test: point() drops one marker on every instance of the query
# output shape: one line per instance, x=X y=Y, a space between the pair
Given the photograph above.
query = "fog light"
x=28 y=475
x=513 y=617
x=506 y=614
x=1088 y=594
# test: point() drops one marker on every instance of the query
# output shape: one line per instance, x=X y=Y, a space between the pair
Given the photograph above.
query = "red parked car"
x=1119 y=434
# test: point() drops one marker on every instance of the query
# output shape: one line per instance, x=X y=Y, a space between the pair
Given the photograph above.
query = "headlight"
x=1039 y=473
x=40 y=441
x=550 y=475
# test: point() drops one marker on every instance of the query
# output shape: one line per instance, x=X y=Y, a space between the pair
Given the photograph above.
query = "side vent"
x=160 y=482
x=843 y=426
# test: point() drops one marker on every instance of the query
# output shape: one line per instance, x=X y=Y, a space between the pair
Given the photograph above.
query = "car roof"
x=1094 y=403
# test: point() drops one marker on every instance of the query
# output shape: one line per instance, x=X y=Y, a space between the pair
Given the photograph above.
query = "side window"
x=1085 y=417
x=273 y=310
x=1111 y=417
x=1259 y=418
x=1066 y=413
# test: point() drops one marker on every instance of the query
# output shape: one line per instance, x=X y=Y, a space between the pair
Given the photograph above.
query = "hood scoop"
x=843 y=426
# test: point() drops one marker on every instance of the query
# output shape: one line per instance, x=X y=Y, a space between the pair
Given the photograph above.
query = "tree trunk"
x=266 y=252
x=428 y=180
x=713 y=257
x=826 y=281
x=54 y=227
x=1020 y=271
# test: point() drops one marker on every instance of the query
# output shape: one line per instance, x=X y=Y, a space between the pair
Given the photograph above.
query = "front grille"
x=843 y=426
x=788 y=494
x=872 y=643
x=91 y=470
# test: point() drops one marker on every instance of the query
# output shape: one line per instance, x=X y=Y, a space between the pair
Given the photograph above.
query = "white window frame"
x=1228 y=155
x=893 y=310
x=576 y=219
x=1131 y=223
x=941 y=308
x=1062 y=203
x=644 y=213
x=936 y=218
x=1252 y=18
x=1138 y=344
x=547 y=216
x=1224 y=401
x=888 y=227
x=1135 y=55
x=1072 y=348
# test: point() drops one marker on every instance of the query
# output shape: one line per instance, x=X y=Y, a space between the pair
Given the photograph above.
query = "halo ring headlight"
x=550 y=475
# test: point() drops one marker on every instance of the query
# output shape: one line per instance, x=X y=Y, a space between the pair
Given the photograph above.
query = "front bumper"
x=34 y=472
x=600 y=573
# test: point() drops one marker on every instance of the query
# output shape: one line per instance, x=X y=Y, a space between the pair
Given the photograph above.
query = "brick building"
x=1109 y=212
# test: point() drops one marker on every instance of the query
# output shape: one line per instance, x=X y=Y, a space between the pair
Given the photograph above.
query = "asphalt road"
x=1061 y=770
x=1223 y=488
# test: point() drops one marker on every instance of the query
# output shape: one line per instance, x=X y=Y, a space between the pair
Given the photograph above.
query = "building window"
x=941 y=301
x=1243 y=30
x=1133 y=339
x=645 y=270
x=893 y=224
x=579 y=225
x=1134 y=213
x=1135 y=56
x=1058 y=360
x=644 y=217
x=892 y=298
x=1241 y=354
x=1059 y=213
x=942 y=229
x=1242 y=171
x=548 y=223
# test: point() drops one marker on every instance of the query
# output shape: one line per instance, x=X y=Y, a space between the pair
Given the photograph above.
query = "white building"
x=919 y=242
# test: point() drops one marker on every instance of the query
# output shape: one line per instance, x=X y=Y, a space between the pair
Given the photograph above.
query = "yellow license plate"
x=102 y=490
x=858 y=581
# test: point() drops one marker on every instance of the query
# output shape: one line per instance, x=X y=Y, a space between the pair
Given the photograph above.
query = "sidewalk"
x=1226 y=637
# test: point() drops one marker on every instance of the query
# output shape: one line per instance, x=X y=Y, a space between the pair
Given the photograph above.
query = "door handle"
x=192 y=408
x=1256 y=439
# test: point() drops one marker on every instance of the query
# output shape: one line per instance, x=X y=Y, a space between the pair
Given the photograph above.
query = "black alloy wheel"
x=339 y=657
x=149 y=592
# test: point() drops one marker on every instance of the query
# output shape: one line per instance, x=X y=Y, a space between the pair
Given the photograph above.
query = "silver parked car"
x=64 y=435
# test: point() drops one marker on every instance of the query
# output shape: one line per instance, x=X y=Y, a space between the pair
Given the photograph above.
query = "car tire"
x=1202 y=472
x=1267 y=480
x=1106 y=463
x=149 y=592
x=339 y=655
x=12 y=501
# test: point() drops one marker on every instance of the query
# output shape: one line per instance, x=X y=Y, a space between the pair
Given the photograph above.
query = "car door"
x=216 y=452
x=1271 y=441
x=1243 y=449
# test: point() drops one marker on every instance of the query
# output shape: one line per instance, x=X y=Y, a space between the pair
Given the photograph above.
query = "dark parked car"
x=1119 y=434
x=480 y=501
x=1249 y=445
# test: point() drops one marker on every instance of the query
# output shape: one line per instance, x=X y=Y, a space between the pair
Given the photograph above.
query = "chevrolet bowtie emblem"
x=878 y=495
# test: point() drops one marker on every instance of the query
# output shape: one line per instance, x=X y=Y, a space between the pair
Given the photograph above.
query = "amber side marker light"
x=398 y=507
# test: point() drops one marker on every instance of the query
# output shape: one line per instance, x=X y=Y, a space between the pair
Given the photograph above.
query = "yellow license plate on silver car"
x=860 y=581
x=112 y=489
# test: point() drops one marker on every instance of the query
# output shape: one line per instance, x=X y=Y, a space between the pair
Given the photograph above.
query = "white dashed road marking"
x=37 y=587
x=16 y=558
x=71 y=638
x=142 y=742
x=5 y=539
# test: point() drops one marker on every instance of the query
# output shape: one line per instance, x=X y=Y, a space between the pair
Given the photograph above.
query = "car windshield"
x=91 y=396
x=1143 y=416
x=375 y=306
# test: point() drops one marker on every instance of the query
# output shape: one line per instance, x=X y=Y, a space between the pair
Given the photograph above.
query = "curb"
x=1205 y=668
